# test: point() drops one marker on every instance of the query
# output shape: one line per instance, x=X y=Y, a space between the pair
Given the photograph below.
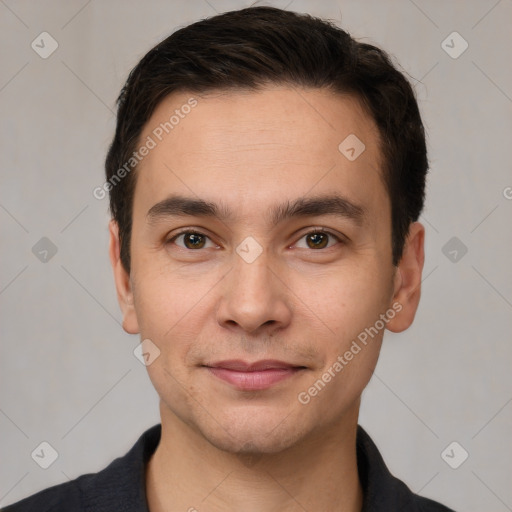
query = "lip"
x=242 y=366
x=253 y=376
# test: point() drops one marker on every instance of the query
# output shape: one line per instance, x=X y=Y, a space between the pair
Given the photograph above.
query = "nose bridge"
x=252 y=295
x=251 y=278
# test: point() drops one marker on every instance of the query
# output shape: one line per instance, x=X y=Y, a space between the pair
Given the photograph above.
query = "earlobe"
x=407 y=286
x=122 y=282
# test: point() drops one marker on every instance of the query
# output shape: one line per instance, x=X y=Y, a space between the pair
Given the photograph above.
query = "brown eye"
x=196 y=241
x=318 y=239
x=191 y=240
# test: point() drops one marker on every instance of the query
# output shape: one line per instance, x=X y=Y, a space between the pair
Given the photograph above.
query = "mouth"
x=253 y=376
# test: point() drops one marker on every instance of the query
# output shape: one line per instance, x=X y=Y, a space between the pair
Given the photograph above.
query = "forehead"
x=251 y=148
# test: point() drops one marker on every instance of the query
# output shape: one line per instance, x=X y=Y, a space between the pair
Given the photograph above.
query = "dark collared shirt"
x=120 y=487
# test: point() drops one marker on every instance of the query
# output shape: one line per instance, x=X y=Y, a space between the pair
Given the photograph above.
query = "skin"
x=223 y=448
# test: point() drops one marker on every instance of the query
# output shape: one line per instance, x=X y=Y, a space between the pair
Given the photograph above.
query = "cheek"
x=166 y=300
x=352 y=306
x=349 y=375
x=162 y=318
x=168 y=313
x=348 y=310
x=344 y=302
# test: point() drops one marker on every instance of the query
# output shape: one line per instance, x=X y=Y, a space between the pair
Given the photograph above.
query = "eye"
x=192 y=239
x=318 y=239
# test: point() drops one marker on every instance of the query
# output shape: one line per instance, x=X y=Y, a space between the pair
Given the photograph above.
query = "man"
x=265 y=178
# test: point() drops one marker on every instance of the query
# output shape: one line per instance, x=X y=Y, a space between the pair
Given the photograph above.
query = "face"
x=288 y=266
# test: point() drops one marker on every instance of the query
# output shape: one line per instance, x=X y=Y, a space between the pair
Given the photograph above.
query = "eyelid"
x=328 y=231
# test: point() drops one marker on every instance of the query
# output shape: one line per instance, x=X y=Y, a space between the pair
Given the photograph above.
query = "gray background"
x=68 y=373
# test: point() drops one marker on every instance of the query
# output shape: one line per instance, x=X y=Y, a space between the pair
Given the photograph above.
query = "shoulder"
x=396 y=495
x=119 y=486
x=58 y=498
x=382 y=490
x=413 y=502
x=427 y=505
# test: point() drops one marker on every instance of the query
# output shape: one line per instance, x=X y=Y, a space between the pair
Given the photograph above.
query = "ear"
x=123 y=282
x=407 y=289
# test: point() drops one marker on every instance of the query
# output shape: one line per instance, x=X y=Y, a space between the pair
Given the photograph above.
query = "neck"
x=188 y=473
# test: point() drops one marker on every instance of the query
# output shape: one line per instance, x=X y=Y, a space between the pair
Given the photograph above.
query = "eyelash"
x=312 y=232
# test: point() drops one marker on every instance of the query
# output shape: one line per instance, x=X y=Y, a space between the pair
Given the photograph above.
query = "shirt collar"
x=121 y=485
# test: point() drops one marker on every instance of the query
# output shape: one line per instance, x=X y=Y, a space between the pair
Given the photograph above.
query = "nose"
x=254 y=297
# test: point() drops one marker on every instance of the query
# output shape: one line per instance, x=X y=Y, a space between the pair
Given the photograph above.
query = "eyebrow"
x=332 y=204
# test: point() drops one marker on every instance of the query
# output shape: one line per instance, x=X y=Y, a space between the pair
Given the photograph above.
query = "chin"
x=247 y=435
x=249 y=442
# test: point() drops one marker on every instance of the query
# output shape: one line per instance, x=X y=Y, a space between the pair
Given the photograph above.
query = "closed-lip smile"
x=253 y=376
